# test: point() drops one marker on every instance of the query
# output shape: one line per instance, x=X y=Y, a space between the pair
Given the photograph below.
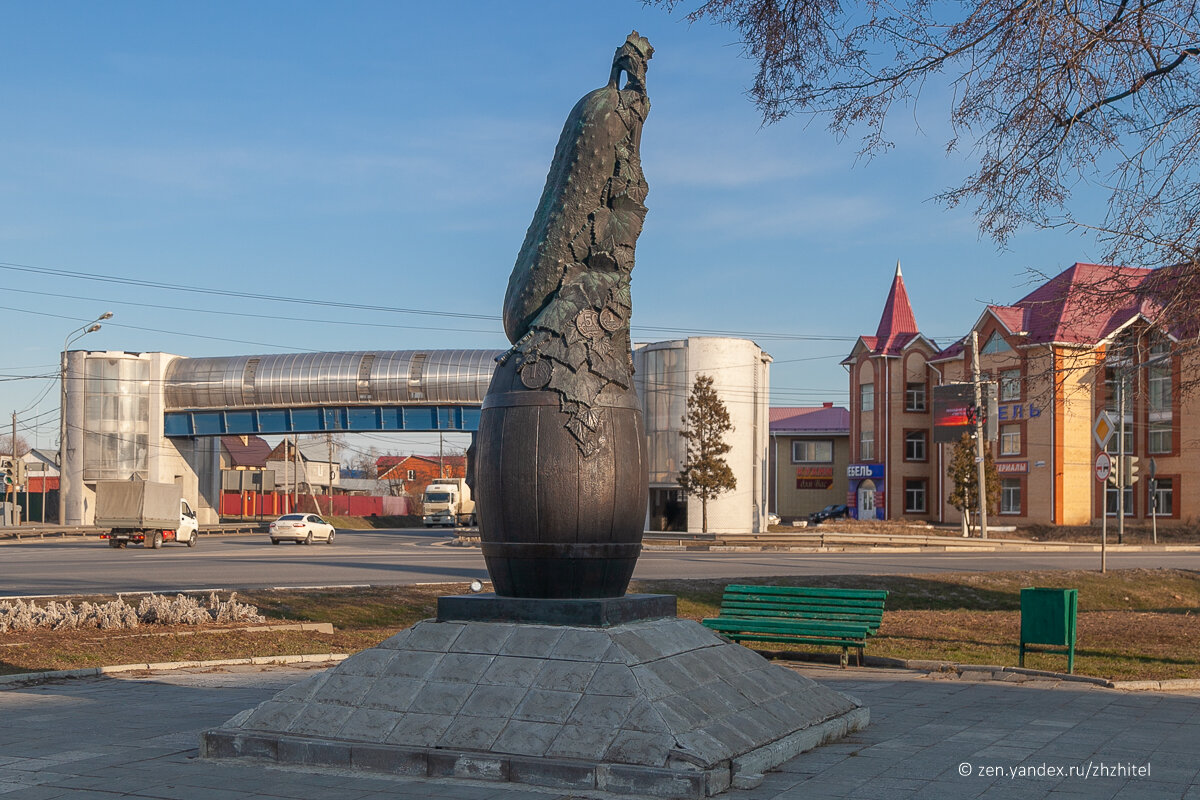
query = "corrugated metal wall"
x=376 y=377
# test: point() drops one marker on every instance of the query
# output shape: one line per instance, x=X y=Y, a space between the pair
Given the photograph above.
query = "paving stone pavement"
x=137 y=736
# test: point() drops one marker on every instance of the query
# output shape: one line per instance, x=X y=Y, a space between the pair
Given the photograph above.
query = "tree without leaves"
x=6 y=445
x=964 y=474
x=705 y=474
x=1059 y=102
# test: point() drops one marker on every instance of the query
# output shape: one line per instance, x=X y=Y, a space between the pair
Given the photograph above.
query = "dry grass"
x=1169 y=531
x=1133 y=624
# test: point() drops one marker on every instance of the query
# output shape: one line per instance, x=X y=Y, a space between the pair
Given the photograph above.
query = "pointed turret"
x=898 y=324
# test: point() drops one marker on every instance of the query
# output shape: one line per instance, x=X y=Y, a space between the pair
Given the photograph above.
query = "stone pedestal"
x=659 y=706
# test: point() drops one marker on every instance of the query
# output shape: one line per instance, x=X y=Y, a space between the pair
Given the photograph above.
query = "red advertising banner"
x=814 y=477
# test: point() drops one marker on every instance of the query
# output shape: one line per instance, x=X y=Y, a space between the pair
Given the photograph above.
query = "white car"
x=306 y=528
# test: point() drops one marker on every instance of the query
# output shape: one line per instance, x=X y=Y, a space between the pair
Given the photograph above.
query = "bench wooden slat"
x=872 y=622
x=800 y=615
x=808 y=591
x=799 y=627
x=742 y=605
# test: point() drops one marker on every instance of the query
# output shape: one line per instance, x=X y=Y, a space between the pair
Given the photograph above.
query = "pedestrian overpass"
x=159 y=416
x=349 y=392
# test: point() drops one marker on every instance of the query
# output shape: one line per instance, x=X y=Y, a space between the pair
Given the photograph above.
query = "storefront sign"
x=857 y=472
x=1012 y=467
x=814 y=477
x=1019 y=411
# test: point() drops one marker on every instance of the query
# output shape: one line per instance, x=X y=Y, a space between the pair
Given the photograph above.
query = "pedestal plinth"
x=660 y=707
x=582 y=612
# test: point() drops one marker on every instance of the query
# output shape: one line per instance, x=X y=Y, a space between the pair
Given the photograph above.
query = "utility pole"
x=981 y=472
x=295 y=471
x=1122 y=478
x=15 y=472
x=441 y=466
x=329 y=441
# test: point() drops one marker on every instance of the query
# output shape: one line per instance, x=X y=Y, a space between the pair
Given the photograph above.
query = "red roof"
x=821 y=419
x=1011 y=317
x=898 y=325
x=1072 y=307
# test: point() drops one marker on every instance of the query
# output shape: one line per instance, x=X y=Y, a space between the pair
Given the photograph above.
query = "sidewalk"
x=136 y=736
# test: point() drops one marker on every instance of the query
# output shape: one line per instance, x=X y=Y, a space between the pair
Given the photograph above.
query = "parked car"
x=298 y=528
x=828 y=512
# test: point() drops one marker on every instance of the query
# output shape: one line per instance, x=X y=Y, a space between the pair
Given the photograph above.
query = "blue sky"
x=391 y=154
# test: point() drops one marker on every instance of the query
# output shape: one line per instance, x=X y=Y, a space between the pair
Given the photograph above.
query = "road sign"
x=1103 y=466
x=1103 y=429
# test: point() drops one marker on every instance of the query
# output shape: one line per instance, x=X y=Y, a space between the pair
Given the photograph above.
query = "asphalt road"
x=66 y=567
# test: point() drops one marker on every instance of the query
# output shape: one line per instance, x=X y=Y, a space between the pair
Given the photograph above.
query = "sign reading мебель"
x=951 y=412
x=1018 y=411
x=865 y=497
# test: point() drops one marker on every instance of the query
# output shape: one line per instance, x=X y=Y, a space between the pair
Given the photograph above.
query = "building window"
x=1110 y=500
x=1010 y=385
x=914 y=446
x=1162 y=496
x=914 y=397
x=1010 y=440
x=1010 y=495
x=1118 y=380
x=866 y=397
x=866 y=445
x=1158 y=379
x=996 y=344
x=819 y=451
x=412 y=475
x=914 y=496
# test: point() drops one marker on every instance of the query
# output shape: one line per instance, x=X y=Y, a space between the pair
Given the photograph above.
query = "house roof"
x=820 y=419
x=314 y=450
x=48 y=457
x=1072 y=307
x=897 y=324
x=253 y=453
x=403 y=463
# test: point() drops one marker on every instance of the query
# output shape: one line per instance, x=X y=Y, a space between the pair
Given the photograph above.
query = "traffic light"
x=1131 y=470
x=1114 y=472
x=7 y=473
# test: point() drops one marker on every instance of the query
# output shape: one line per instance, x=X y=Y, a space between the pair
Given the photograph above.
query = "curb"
x=996 y=672
x=7 y=681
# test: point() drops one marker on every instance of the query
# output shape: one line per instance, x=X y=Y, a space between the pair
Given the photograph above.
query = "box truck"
x=145 y=513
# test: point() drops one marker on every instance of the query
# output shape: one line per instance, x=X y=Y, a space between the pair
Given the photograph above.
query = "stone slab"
x=601 y=612
x=579 y=711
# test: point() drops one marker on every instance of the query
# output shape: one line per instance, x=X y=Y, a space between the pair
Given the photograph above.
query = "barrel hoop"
x=560 y=550
x=549 y=398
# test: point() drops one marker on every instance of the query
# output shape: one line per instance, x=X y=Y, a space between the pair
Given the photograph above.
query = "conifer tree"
x=705 y=474
x=965 y=494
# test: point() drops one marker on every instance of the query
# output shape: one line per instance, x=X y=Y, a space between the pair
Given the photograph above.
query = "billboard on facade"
x=814 y=477
x=951 y=412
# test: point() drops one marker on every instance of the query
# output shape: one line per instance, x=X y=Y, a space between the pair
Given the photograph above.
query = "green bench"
x=800 y=615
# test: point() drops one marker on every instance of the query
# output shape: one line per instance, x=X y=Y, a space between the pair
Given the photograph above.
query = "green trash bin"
x=1048 y=618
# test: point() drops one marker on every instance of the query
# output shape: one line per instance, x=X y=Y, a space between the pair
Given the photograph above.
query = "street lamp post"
x=71 y=337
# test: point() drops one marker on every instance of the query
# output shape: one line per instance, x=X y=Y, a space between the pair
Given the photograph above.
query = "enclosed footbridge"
x=370 y=390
